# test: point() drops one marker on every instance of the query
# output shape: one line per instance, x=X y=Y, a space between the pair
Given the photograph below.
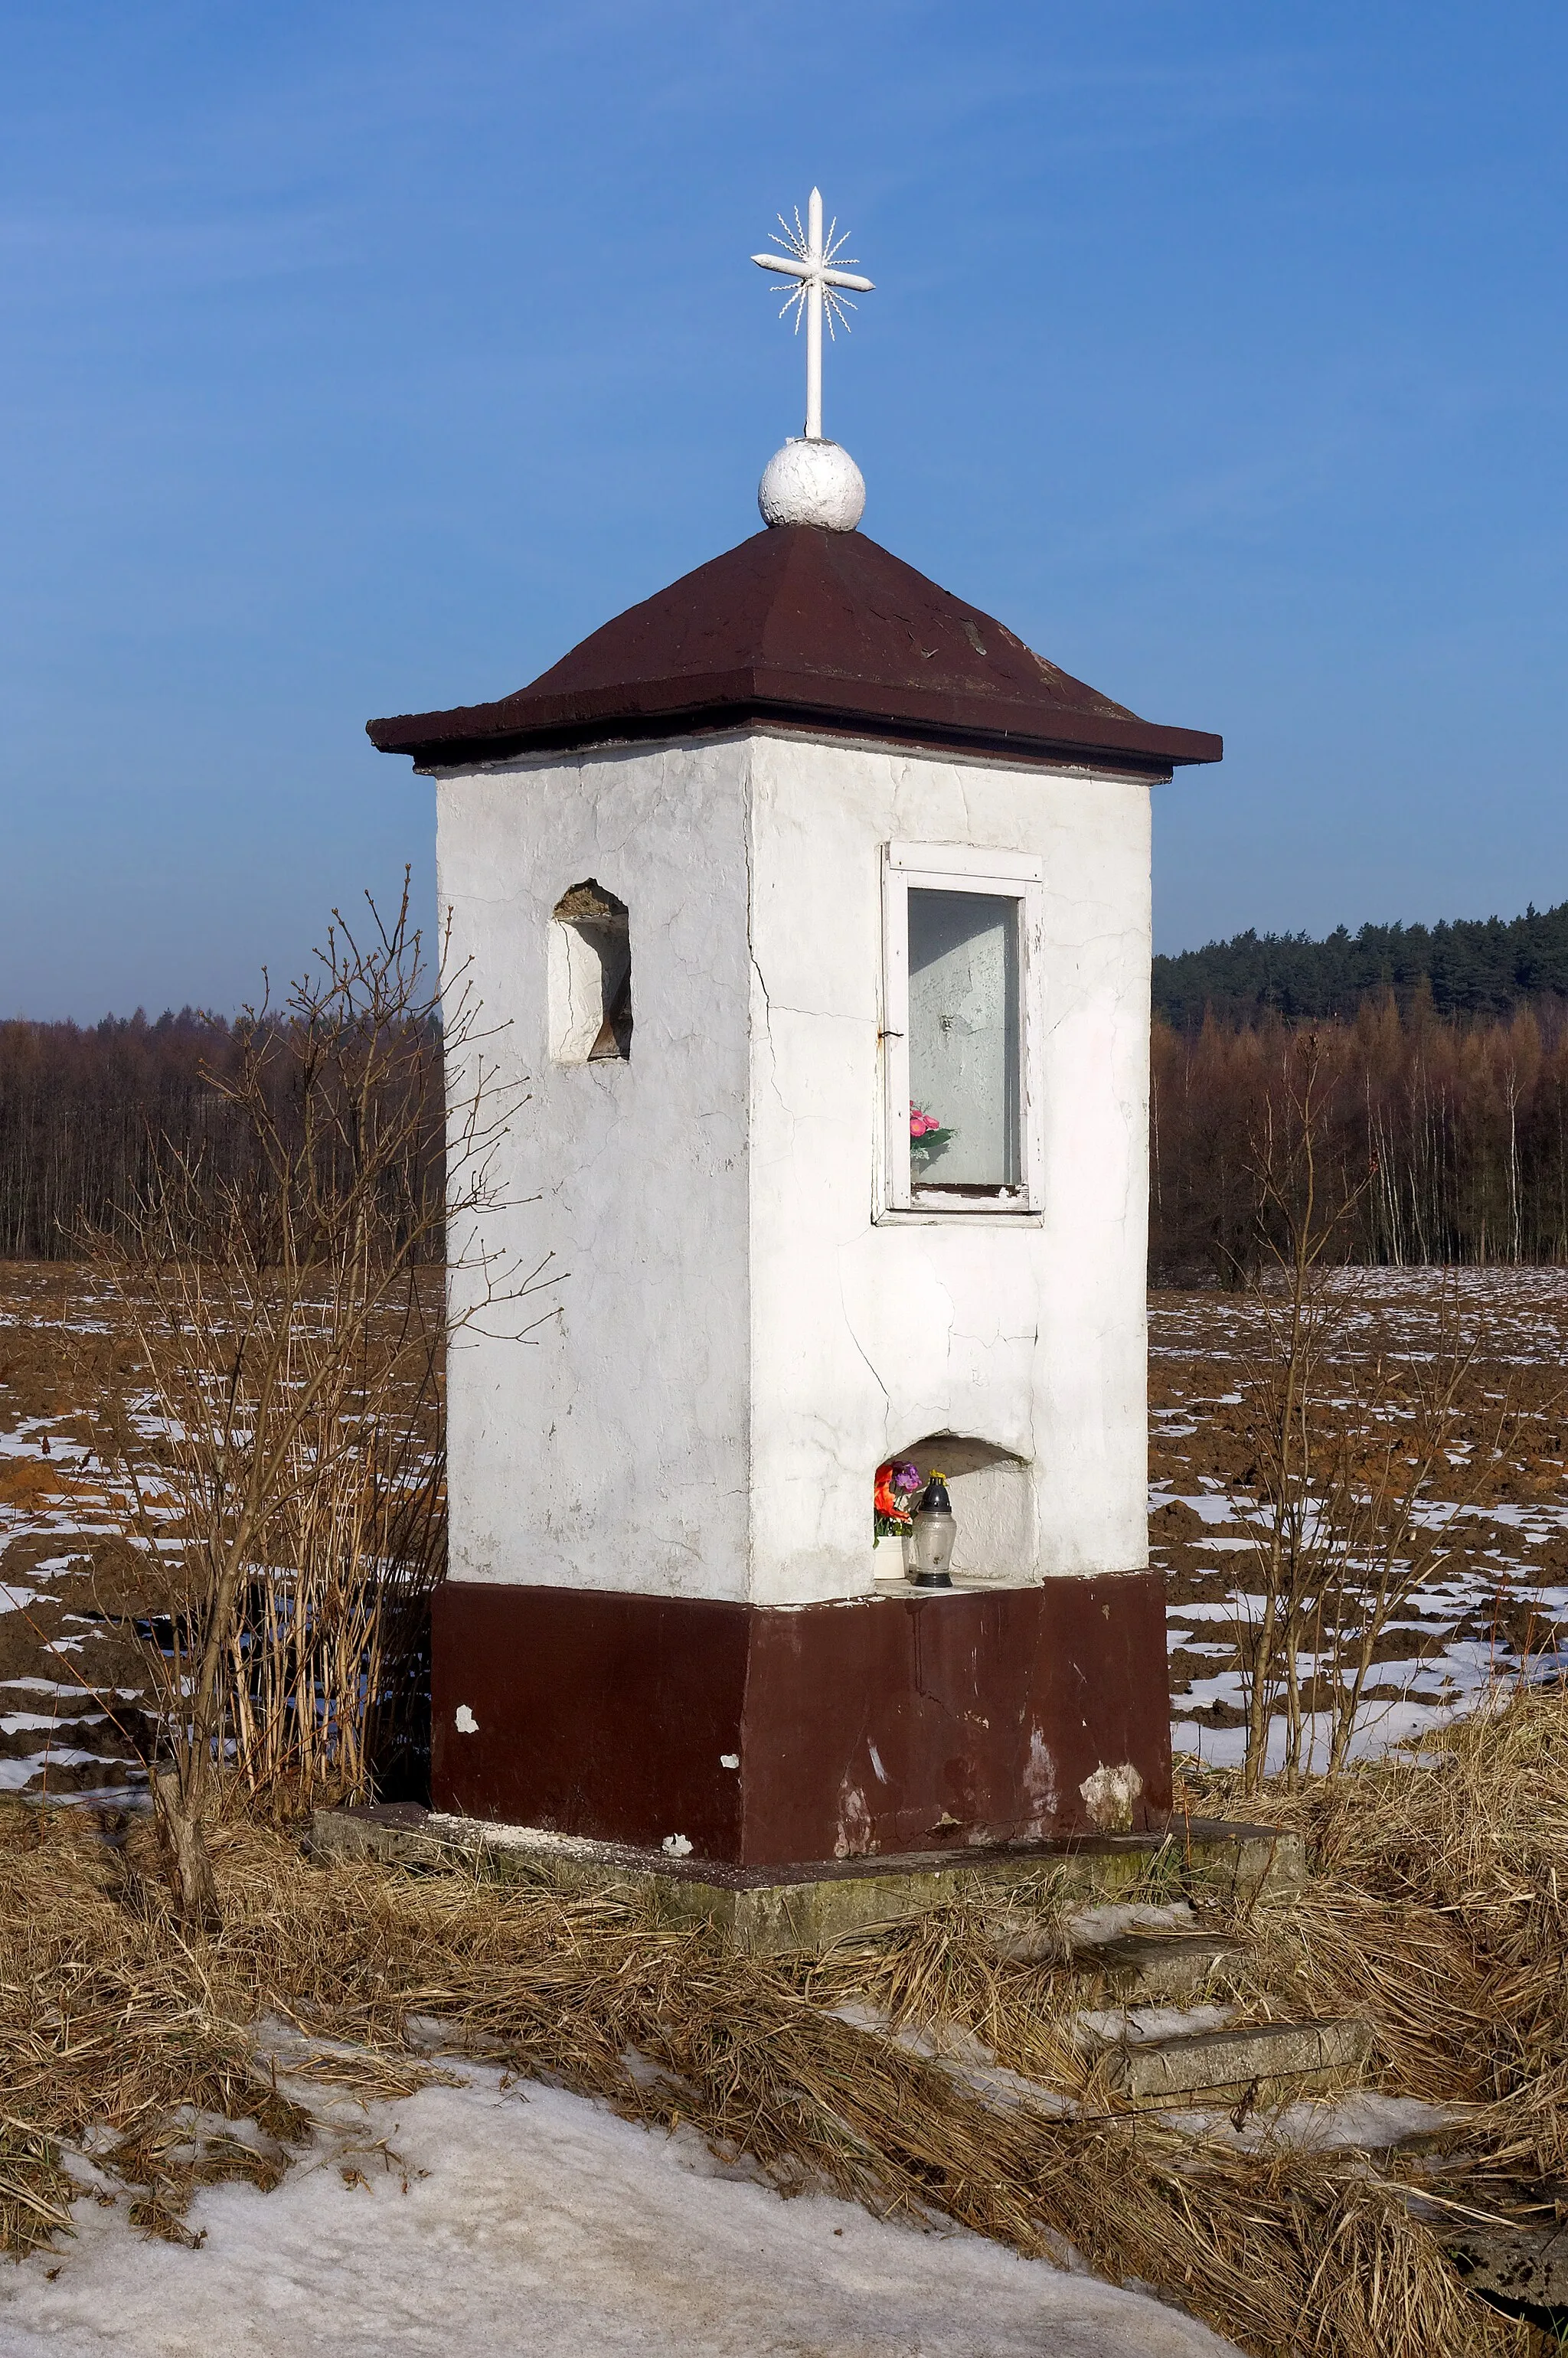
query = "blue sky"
x=357 y=358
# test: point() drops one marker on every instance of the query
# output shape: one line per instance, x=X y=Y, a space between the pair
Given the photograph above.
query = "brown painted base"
x=765 y=1736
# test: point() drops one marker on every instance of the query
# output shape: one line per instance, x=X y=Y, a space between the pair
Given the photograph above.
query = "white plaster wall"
x=738 y=1342
x=610 y=1450
x=1029 y=1335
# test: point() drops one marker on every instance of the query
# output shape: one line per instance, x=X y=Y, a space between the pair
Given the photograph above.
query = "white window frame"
x=960 y=868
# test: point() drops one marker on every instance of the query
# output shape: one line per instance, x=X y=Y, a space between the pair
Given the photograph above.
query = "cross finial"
x=807 y=257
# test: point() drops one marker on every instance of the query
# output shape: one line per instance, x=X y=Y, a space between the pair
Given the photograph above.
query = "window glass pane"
x=963 y=1039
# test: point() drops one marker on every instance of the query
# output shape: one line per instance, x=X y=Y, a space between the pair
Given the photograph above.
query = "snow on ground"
x=1365 y=2121
x=1136 y=2026
x=1090 y=1925
x=1497 y=1602
x=1501 y=1594
x=70 y=1595
x=535 y=2221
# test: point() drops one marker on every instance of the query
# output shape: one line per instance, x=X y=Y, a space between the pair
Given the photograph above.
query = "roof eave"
x=940 y=719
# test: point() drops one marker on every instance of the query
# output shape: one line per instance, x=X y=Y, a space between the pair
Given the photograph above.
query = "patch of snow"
x=1131 y=2026
x=1107 y=1923
x=15 y=1774
x=950 y=2043
x=1224 y=1686
x=21 y=1722
x=1364 y=2121
x=1379 y=1727
x=528 y=2223
x=1213 y=1510
x=72 y=1687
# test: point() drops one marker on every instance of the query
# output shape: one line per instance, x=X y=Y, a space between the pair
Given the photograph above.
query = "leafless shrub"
x=1354 y=1469
x=290 y=1517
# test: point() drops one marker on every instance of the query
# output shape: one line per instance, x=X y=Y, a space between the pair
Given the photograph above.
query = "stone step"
x=1155 y=1965
x=1261 y=2055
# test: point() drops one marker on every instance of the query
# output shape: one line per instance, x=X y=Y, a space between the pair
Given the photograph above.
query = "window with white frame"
x=960 y=1029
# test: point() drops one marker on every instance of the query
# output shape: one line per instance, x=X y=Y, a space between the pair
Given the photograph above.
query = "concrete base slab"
x=770 y=1911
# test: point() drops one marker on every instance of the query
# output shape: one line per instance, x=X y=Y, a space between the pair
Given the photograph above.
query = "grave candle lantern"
x=931 y=1536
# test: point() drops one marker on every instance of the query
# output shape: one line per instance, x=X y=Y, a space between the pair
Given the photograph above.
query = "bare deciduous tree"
x=1466 y=1121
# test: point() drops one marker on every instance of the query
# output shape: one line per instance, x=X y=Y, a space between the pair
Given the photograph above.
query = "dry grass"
x=120 y=2033
x=1440 y=1913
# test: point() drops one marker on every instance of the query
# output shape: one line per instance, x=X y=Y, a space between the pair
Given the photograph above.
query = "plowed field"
x=73 y=1717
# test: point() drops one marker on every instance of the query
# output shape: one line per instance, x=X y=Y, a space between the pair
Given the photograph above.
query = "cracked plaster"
x=740 y=1340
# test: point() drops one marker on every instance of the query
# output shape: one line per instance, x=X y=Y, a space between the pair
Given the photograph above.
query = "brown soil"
x=1511 y=1540
x=69 y=1382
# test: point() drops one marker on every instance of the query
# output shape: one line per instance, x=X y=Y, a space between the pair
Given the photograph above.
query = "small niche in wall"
x=591 y=977
x=993 y=1506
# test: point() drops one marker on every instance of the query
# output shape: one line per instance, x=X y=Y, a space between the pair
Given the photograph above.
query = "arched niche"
x=591 y=977
x=993 y=1504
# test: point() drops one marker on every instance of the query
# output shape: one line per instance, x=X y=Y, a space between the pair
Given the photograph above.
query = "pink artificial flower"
x=919 y=1123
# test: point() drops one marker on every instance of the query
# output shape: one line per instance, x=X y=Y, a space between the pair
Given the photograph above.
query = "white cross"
x=807 y=258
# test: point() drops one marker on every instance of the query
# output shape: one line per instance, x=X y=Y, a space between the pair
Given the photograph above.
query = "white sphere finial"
x=813 y=482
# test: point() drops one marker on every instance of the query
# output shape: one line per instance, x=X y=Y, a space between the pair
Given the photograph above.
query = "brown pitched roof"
x=815 y=629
